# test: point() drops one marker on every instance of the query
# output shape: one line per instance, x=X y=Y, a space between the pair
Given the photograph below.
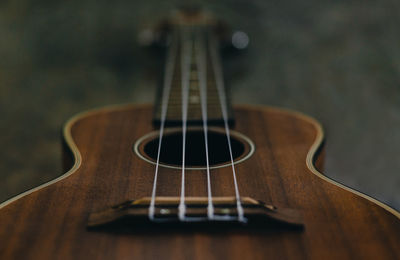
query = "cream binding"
x=309 y=160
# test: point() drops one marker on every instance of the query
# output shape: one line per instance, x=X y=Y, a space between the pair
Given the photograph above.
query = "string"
x=222 y=98
x=202 y=75
x=185 y=77
x=168 y=76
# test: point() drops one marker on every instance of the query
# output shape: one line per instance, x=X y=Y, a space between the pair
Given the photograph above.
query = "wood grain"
x=50 y=223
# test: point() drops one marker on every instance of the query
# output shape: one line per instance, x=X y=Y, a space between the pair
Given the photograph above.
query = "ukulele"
x=194 y=178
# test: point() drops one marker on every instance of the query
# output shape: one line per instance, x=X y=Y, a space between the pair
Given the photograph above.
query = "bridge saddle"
x=135 y=214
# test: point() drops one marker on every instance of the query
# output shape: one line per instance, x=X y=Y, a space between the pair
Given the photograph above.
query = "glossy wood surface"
x=50 y=223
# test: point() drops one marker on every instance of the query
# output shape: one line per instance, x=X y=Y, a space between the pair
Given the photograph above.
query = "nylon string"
x=202 y=76
x=222 y=98
x=168 y=76
x=185 y=78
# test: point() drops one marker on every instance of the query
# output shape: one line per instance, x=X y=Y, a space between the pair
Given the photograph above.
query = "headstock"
x=158 y=35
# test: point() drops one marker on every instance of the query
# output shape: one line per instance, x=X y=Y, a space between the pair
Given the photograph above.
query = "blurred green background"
x=338 y=61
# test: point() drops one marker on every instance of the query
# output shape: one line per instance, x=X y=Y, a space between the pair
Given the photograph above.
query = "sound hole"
x=195 y=155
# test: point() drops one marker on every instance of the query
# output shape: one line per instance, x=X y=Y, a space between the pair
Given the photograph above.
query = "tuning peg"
x=233 y=43
x=240 y=40
x=155 y=36
x=146 y=37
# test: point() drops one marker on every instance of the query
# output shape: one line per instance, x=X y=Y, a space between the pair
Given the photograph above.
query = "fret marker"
x=193 y=75
x=194 y=86
x=194 y=99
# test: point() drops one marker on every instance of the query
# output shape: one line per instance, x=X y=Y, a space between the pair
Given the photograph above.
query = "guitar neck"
x=193 y=79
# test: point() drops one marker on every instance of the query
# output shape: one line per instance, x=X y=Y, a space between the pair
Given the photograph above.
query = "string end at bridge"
x=168 y=212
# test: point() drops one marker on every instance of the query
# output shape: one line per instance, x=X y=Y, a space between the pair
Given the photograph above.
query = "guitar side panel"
x=50 y=221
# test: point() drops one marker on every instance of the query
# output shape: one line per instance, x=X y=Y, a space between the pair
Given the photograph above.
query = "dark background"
x=338 y=61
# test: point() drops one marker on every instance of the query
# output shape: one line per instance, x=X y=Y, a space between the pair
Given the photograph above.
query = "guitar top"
x=193 y=177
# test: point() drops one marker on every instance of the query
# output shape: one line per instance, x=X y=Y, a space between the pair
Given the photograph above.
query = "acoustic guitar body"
x=277 y=166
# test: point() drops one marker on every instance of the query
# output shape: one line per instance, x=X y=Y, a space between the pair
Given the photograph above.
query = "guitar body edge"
x=50 y=220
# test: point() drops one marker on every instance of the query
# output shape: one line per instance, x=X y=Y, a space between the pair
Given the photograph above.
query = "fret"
x=174 y=108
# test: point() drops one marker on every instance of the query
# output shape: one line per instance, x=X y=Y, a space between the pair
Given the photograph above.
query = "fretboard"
x=192 y=60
